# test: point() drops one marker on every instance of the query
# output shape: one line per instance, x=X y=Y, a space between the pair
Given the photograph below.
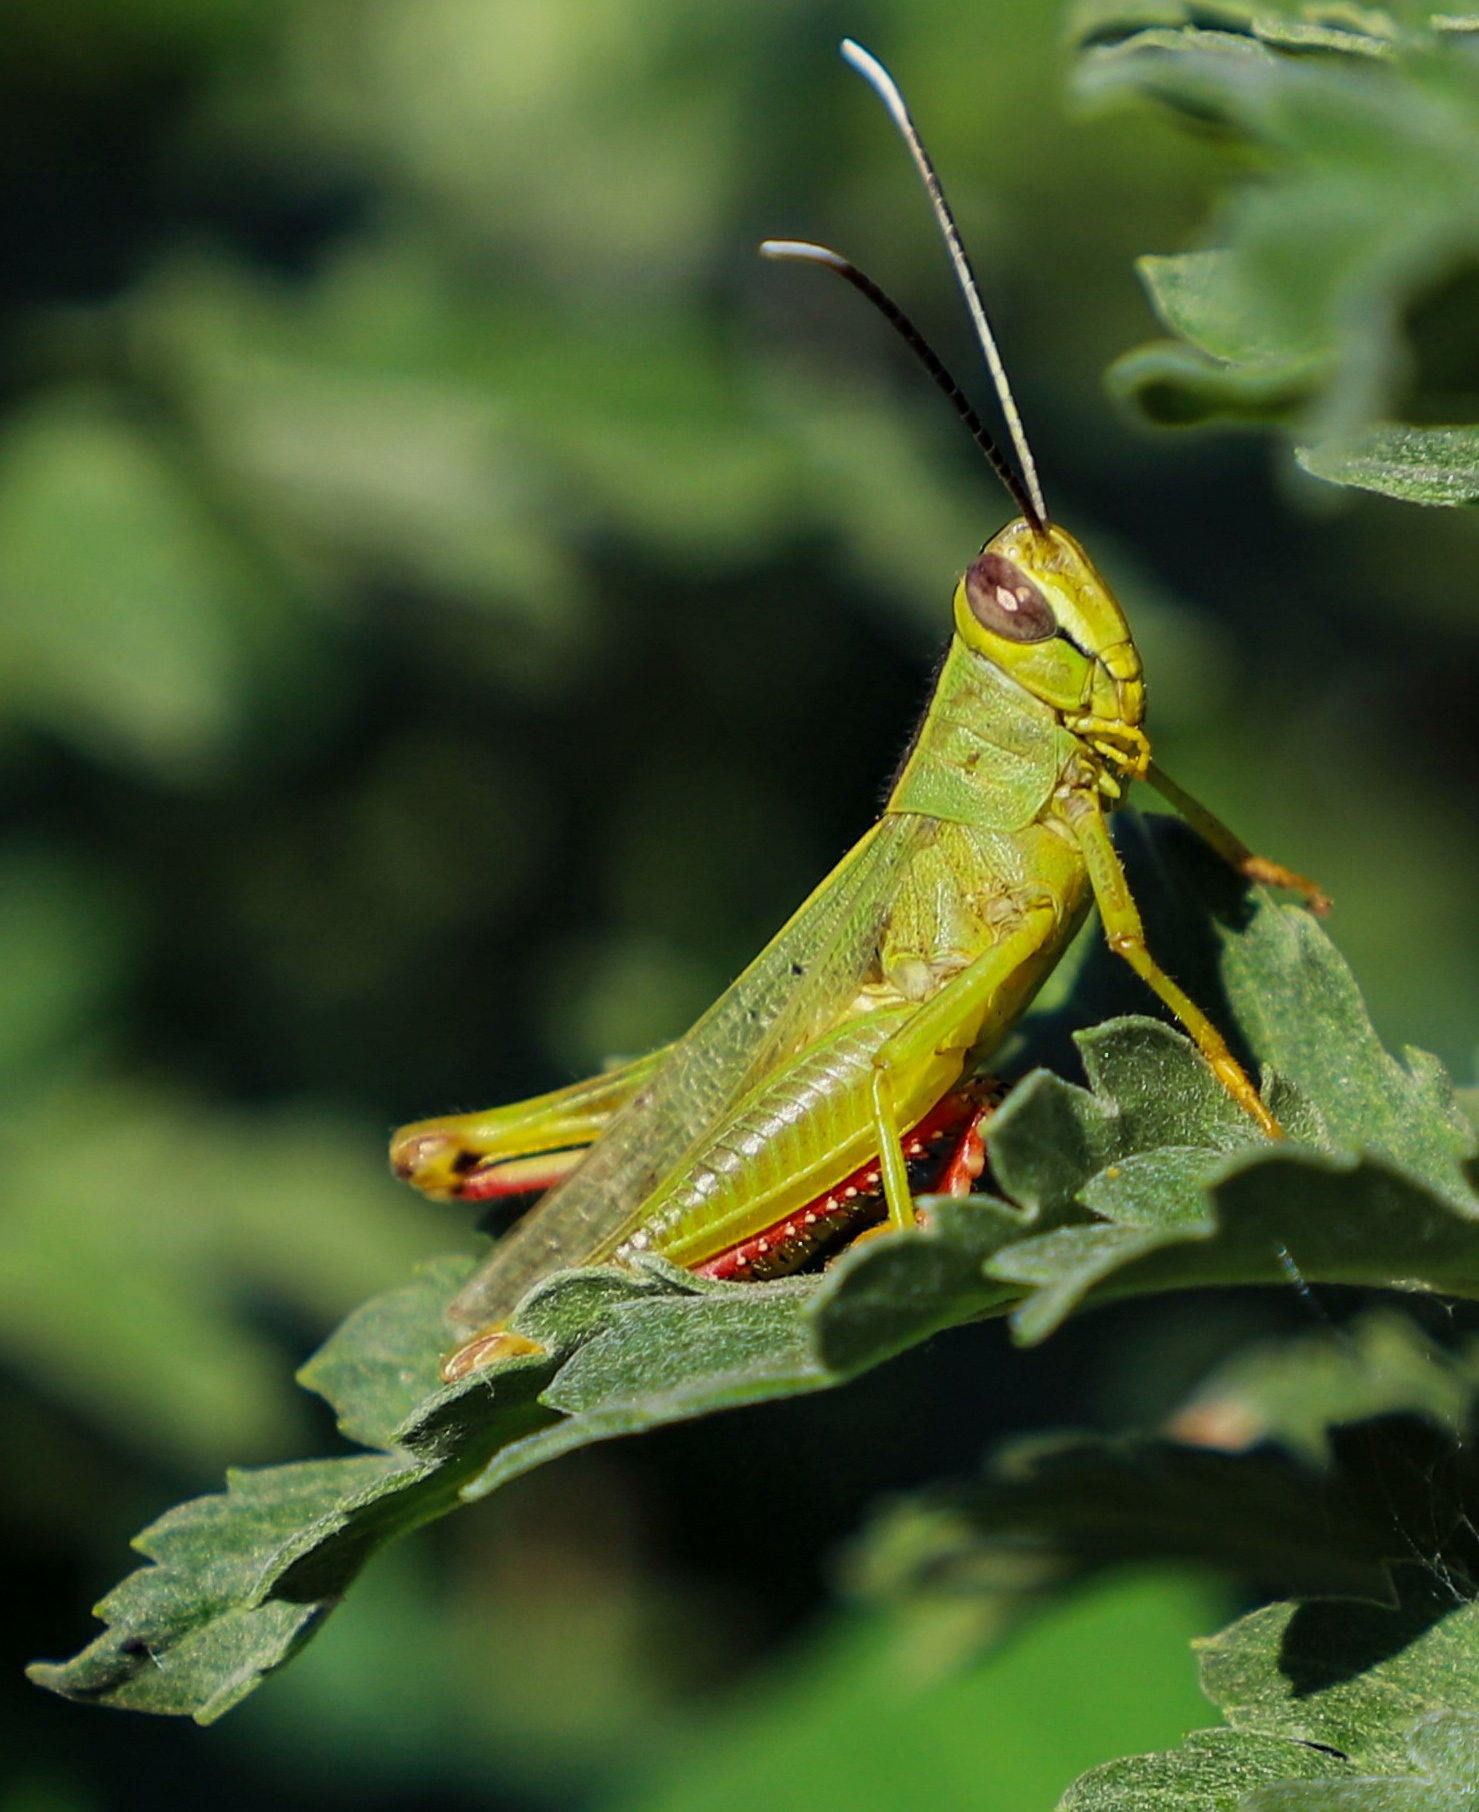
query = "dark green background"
x=454 y=600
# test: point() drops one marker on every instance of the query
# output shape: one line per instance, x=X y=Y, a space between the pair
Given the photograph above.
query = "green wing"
x=808 y=973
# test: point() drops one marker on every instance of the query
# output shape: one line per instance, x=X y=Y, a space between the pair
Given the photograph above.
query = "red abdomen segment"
x=945 y=1153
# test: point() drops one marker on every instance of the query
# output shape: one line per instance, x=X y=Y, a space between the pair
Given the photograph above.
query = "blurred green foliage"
x=453 y=601
x=1337 y=293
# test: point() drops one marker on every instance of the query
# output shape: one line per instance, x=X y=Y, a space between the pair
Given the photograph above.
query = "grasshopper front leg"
x=526 y=1146
x=1126 y=934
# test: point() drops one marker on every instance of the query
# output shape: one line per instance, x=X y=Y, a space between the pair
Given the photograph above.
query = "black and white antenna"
x=802 y=251
x=1025 y=488
x=887 y=90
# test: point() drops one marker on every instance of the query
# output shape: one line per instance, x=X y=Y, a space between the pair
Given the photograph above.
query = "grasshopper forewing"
x=905 y=967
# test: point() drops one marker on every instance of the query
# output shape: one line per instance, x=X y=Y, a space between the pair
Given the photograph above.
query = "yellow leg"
x=436 y=1155
x=1232 y=849
x=1126 y=937
x=991 y=991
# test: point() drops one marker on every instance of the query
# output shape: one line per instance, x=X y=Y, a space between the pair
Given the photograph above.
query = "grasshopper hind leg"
x=522 y=1149
x=945 y=1154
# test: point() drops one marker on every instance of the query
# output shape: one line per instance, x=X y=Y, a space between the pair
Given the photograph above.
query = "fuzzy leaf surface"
x=1331 y=1704
x=1147 y=1179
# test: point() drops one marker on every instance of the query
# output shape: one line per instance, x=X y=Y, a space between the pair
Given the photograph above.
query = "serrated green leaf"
x=1293 y=35
x=1198 y=296
x=1358 y=30
x=1176 y=386
x=1381 y=1177
x=1297 y=1003
x=891 y=1293
x=1418 y=465
x=1351 y=1677
x=186 y=1635
x=1214 y=1769
x=1148 y=1179
x=624 y=1352
x=241 y=1579
x=1090 y=22
x=1442 y=1772
x=1232 y=357
x=1274 y=1217
x=1295 y=1391
x=1383 y=1695
x=1363 y=207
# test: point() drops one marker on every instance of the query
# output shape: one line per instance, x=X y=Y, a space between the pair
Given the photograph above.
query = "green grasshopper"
x=804 y=1093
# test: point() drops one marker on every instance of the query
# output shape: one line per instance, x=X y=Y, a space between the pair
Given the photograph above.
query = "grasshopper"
x=799 y=1101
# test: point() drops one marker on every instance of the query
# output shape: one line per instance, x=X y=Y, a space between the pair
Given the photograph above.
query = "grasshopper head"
x=1032 y=604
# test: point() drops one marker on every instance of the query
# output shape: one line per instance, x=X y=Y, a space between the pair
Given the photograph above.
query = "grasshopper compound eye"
x=1005 y=601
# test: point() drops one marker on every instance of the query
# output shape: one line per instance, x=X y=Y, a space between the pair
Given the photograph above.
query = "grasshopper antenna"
x=884 y=86
x=800 y=251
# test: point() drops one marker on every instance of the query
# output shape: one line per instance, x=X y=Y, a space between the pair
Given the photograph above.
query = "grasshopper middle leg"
x=967 y=1013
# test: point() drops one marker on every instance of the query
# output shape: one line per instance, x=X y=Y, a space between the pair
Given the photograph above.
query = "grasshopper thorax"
x=1032 y=604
